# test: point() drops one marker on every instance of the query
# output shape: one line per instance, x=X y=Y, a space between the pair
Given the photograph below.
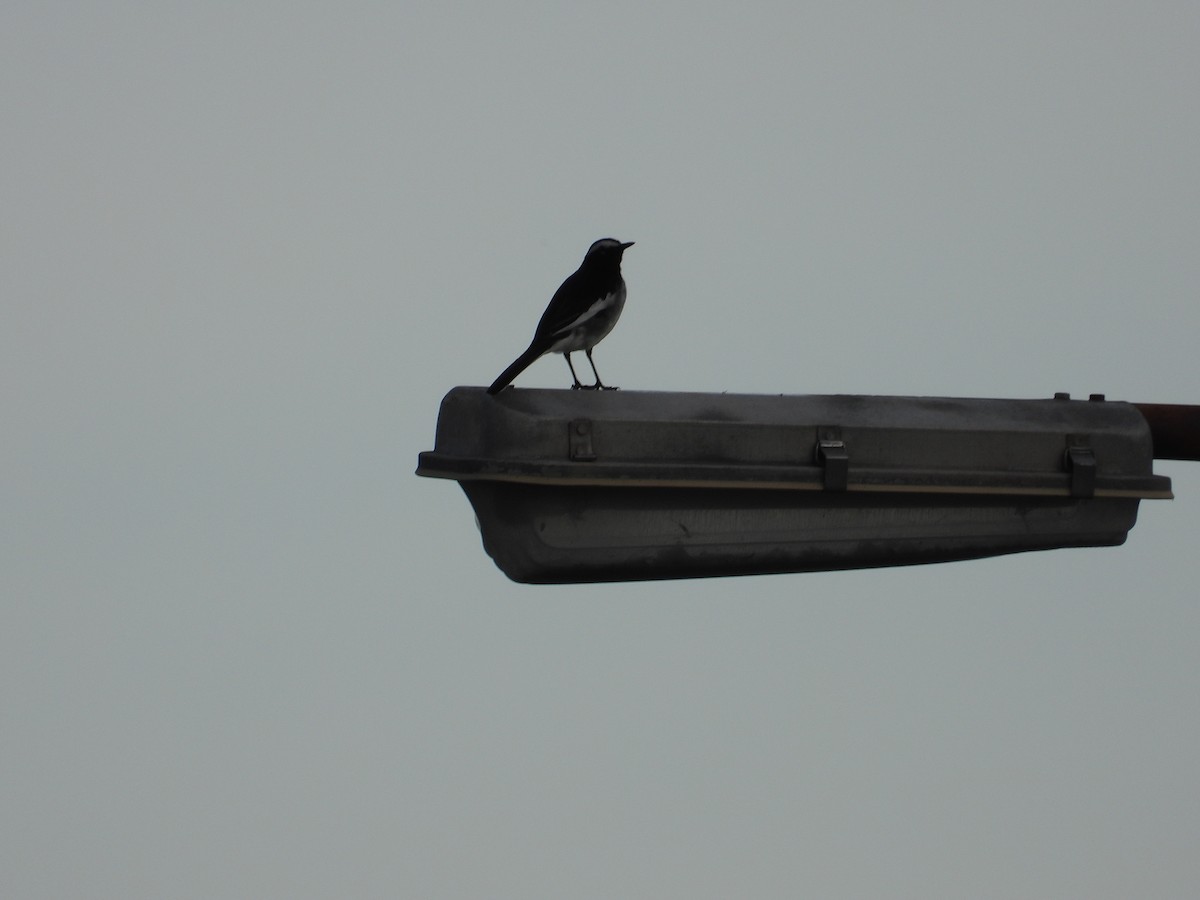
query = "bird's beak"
x=625 y=247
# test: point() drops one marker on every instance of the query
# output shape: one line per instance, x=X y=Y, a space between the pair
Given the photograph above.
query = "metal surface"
x=572 y=486
x=919 y=444
x=540 y=534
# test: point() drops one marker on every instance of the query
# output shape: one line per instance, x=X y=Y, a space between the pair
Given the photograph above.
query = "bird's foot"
x=594 y=387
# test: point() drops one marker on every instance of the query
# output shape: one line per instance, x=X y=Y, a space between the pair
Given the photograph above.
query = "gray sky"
x=244 y=652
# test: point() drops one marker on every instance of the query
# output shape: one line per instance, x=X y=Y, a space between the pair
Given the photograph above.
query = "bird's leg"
x=578 y=384
x=598 y=386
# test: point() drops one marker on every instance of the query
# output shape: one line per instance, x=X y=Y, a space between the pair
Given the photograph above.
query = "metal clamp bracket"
x=831 y=454
x=579 y=440
x=1080 y=462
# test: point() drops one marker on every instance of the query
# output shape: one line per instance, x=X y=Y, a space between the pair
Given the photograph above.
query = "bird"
x=581 y=314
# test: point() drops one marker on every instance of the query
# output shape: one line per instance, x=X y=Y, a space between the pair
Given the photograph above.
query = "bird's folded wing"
x=560 y=321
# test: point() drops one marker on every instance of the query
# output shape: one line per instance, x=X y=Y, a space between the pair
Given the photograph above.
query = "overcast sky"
x=247 y=247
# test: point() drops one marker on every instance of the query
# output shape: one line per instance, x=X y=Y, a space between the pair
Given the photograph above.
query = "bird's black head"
x=606 y=249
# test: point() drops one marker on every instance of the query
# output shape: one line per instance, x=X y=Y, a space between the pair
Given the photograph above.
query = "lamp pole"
x=1175 y=429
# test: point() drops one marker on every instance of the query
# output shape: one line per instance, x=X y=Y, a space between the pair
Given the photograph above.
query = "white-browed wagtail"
x=581 y=313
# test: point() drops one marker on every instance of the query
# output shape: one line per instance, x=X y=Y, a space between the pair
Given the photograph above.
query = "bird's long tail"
x=519 y=365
